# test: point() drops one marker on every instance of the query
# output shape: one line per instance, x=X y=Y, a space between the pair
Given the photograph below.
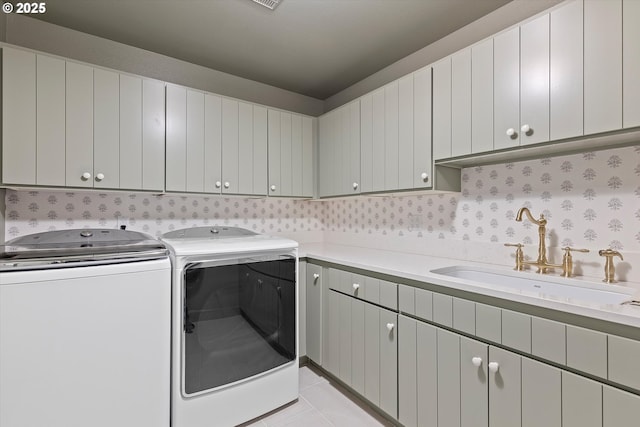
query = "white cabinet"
x=216 y=144
x=75 y=125
x=290 y=150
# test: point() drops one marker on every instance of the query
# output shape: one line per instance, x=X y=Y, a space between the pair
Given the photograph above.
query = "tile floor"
x=321 y=403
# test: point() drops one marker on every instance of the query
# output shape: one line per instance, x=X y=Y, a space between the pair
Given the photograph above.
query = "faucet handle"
x=610 y=253
x=567 y=260
x=519 y=255
x=609 y=267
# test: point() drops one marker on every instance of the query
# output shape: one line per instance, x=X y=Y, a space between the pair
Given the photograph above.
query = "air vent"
x=270 y=4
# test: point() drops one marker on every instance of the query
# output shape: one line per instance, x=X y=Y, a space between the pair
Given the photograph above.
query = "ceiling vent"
x=269 y=4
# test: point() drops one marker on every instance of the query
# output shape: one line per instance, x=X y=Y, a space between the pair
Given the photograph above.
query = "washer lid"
x=86 y=242
x=215 y=232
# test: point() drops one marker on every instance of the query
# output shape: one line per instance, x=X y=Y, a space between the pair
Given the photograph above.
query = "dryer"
x=234 y=325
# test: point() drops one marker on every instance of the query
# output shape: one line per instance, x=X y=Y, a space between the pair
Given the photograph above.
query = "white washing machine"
x=234 y=325
x=85 y=330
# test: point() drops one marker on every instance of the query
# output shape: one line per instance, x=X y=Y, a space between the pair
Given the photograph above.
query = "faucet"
x=542 y=263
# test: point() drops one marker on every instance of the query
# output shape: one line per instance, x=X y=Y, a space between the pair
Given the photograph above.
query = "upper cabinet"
x=74 y=125
x=290 y=154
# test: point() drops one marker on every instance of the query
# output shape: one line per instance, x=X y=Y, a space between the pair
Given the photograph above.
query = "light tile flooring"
x=321 y=403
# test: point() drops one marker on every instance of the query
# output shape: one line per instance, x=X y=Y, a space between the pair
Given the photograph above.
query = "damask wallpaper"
x=591 y=200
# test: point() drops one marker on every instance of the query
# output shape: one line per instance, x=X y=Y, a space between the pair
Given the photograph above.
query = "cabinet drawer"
x=443 y=309
x=388 y=295
x=548 y=340
x=587 y=351
x=488 y=322
x=406 y=299
x=355 y=285
x=424 y=304
x=373 y=290
x=336 y=279
x=464 y=316
x=516 y=330
x=623 y=360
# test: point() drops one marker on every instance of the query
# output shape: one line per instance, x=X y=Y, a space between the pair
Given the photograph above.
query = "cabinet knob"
x=316 y=276
x=355 y=185
x=218 y=184
x=273 y=188
x=99 y=177
x=226 y=184
x=525 y=129
x=356 y=286
x=511 y=132
x=424 y=176
x=86 y=176
x=494 y=367
x=390 y=326
x=476 y=361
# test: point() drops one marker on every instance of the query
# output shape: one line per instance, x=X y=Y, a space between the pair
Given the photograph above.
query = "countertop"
x=418 y=267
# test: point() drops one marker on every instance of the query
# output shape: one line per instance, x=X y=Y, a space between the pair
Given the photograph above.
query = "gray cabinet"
x=602 y=65
x=630 y=63
x=619 y=408
x=302 y=309
x=482 y=97
x=314 y=307
x=290 y=154
x=442 y=109
x=506 y=89
x=581 y=401
x=75 y=125
x=474 y=387
x=448 y=378
x=541 y=388
x=505 y=388
x=461 y=103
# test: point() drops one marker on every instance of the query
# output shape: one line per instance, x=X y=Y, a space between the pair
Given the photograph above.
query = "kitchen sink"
x=544 y=286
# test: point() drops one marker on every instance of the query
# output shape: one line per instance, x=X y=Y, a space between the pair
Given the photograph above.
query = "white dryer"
x=234 y=325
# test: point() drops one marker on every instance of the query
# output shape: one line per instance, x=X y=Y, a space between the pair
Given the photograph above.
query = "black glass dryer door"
x=239 y=320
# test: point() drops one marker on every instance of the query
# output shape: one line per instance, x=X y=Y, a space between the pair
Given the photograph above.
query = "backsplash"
x=591 y=200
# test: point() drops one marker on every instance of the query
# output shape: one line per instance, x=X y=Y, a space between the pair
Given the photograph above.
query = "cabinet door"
x=372 y=350
x=378 y=144
x=358 y=354
x=343 y=151
x=106 y=135
x=534 y=81
x=275 y=152
x=461 y=103
x=176 y=172
x=245 y=148
x=79 y=125
x=50 y=113
x=619 y=408
x=212 y=143
x=482 y=97
x=331 y=331
x=153 y=135
x=131 y=166
x=260 y=158
x=314 y=313
x=391 y=136
x=296 y=155
x=19 y=121
x=388 y=362
x=506 y=89
x=631 y=63
x=406 y=127
x=285 y=154
x=427 y=374
x=325 y=174
x=448 y=379
x=366 y=143
x=474 y=387
x=302 y=309
x=344 y=345
x=230 y=153
x=581 y=401
x=353 y=165
x=602 y=65
x=566 y=71
x=541 y=388
x=442 y=109
x=195 y=141
x=307 y=156
x=407 y=371
x=505 y=391
x=422 y=161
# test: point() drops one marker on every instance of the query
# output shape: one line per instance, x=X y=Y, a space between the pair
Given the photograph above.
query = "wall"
x=591 y=201
x=45 y=37
x=496 y=21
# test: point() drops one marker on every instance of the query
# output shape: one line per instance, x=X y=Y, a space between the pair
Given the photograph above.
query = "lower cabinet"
x=313 y=284
x=360 y=347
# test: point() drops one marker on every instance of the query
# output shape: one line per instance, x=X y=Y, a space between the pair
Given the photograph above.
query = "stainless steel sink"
x=544 y=286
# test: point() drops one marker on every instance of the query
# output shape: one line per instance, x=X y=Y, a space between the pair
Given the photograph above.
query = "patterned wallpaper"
x=591 y=200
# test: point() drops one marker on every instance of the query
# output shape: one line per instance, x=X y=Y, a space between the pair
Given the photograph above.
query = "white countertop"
x=418 y=267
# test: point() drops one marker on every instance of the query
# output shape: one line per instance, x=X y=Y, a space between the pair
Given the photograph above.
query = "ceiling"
x=312 y=47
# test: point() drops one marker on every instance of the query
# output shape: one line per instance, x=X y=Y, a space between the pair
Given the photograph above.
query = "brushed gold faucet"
x=609 y=267
x=542 y=263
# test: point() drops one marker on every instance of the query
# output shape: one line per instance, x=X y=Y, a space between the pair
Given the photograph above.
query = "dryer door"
x=239 y=320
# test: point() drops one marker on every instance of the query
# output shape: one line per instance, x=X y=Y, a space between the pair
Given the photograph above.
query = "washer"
x=85 y=330
x=234 y=325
